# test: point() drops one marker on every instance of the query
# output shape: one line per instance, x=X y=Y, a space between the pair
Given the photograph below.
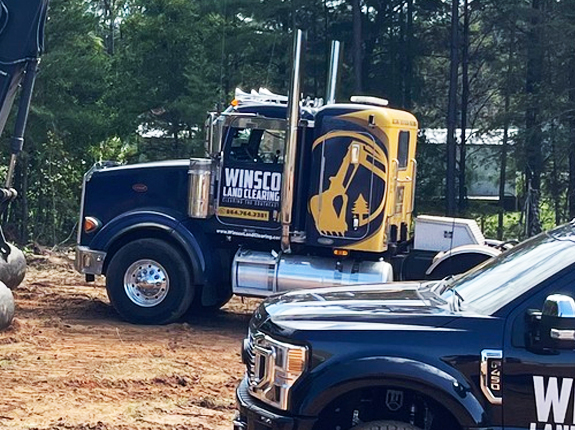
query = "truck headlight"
x=273 y=368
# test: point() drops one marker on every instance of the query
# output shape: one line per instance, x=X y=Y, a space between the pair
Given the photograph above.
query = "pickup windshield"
x=491 y=285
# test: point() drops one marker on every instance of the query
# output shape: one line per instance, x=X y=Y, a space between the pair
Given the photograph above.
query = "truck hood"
x=355 y=308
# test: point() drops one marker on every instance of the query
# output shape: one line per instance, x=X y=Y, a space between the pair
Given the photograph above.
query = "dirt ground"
x=69 y=362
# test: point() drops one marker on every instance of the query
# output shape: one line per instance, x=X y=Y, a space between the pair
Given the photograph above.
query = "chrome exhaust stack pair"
x=293 y=122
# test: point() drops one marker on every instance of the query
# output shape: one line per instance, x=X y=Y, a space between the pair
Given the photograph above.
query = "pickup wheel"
x=149 y=282
x=386 y=425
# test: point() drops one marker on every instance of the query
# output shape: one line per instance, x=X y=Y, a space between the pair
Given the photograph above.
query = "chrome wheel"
x=146 y=283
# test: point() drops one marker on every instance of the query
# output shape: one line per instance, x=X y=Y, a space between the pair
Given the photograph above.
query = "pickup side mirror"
x=557 y=327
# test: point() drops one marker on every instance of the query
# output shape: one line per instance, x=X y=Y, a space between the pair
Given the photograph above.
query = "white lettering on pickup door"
x=552 y=400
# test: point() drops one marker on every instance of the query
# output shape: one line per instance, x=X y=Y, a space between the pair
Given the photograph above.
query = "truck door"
x=251 y=174
x=537 y=383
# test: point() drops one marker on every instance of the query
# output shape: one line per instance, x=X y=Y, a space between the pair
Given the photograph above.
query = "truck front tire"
x=385 y=425
x=149 y=282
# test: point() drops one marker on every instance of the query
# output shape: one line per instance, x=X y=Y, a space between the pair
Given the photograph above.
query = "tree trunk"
x=503 y=167
x=572 y=137
x=464 y=104
x=109 y=14
x=534 y=138
x=357 y=46
x=408 y=77
x=554 y=185
x=505 y=143
x=452 y=111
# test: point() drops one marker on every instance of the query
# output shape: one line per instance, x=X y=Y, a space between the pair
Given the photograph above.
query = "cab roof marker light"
x=376 y=101
x=262 y=96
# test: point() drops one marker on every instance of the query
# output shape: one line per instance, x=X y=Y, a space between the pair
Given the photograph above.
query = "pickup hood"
x=355 y=308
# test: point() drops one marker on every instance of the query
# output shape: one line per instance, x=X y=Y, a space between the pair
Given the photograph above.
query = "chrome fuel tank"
x=260 y=274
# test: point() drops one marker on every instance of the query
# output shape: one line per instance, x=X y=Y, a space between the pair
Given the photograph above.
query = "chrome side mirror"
x=558 y=322
x=209 y=128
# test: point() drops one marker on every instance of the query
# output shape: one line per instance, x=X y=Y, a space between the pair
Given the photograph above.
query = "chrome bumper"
x=88 y=261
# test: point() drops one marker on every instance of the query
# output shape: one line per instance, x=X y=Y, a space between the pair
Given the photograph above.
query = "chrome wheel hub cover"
x=146 y=283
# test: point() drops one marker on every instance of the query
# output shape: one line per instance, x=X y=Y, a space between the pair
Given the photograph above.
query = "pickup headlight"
x=273 y=367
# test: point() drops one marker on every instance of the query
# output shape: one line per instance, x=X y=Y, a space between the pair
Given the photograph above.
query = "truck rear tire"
x=386 y=425
x=149 y=282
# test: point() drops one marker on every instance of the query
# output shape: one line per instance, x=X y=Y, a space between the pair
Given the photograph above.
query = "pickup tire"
x=149 y=282
x=385 y=425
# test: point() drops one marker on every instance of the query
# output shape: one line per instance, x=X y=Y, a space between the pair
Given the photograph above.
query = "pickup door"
x=538 y=381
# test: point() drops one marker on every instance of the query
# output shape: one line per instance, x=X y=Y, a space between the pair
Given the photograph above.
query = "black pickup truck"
x=491 y=349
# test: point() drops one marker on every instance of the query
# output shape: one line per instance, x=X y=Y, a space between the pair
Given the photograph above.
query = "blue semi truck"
x=291 y=194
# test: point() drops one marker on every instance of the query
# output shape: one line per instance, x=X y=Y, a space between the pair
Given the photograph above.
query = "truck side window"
x=257 y=145
x=403 y=149
x=243 y=147
x=271 y=149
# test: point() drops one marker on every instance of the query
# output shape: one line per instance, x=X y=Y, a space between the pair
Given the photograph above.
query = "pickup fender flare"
x=479 y=250
x=170 y=224
x=453 y=393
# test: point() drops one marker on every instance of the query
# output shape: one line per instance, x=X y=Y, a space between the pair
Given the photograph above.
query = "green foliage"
x=113 y=67
x=513 y=223
x=113 y=149
x=512 y=226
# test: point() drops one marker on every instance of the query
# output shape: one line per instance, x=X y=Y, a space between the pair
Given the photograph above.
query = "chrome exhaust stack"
x=333 y=72
x=291 y=142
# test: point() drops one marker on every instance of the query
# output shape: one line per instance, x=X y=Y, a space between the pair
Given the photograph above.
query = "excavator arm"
x=21 y=44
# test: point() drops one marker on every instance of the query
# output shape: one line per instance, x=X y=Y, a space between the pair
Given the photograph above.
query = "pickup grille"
x=258 y=359
x=250 y=357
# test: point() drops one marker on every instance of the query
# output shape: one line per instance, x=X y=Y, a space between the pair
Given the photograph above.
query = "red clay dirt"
x=68 y=362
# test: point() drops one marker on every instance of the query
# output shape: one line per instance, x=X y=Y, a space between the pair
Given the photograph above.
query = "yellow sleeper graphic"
x=330 y=207
x=244 y=213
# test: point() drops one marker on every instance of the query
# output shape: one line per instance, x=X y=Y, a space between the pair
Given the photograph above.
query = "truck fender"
x=456 y=256
x=455 y=394
x=128 y=223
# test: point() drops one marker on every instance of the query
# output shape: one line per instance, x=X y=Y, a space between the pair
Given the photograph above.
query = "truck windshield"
x=490 y=286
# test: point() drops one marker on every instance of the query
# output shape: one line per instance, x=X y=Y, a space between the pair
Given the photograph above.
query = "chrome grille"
x=250 y=357
x=259 y=362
